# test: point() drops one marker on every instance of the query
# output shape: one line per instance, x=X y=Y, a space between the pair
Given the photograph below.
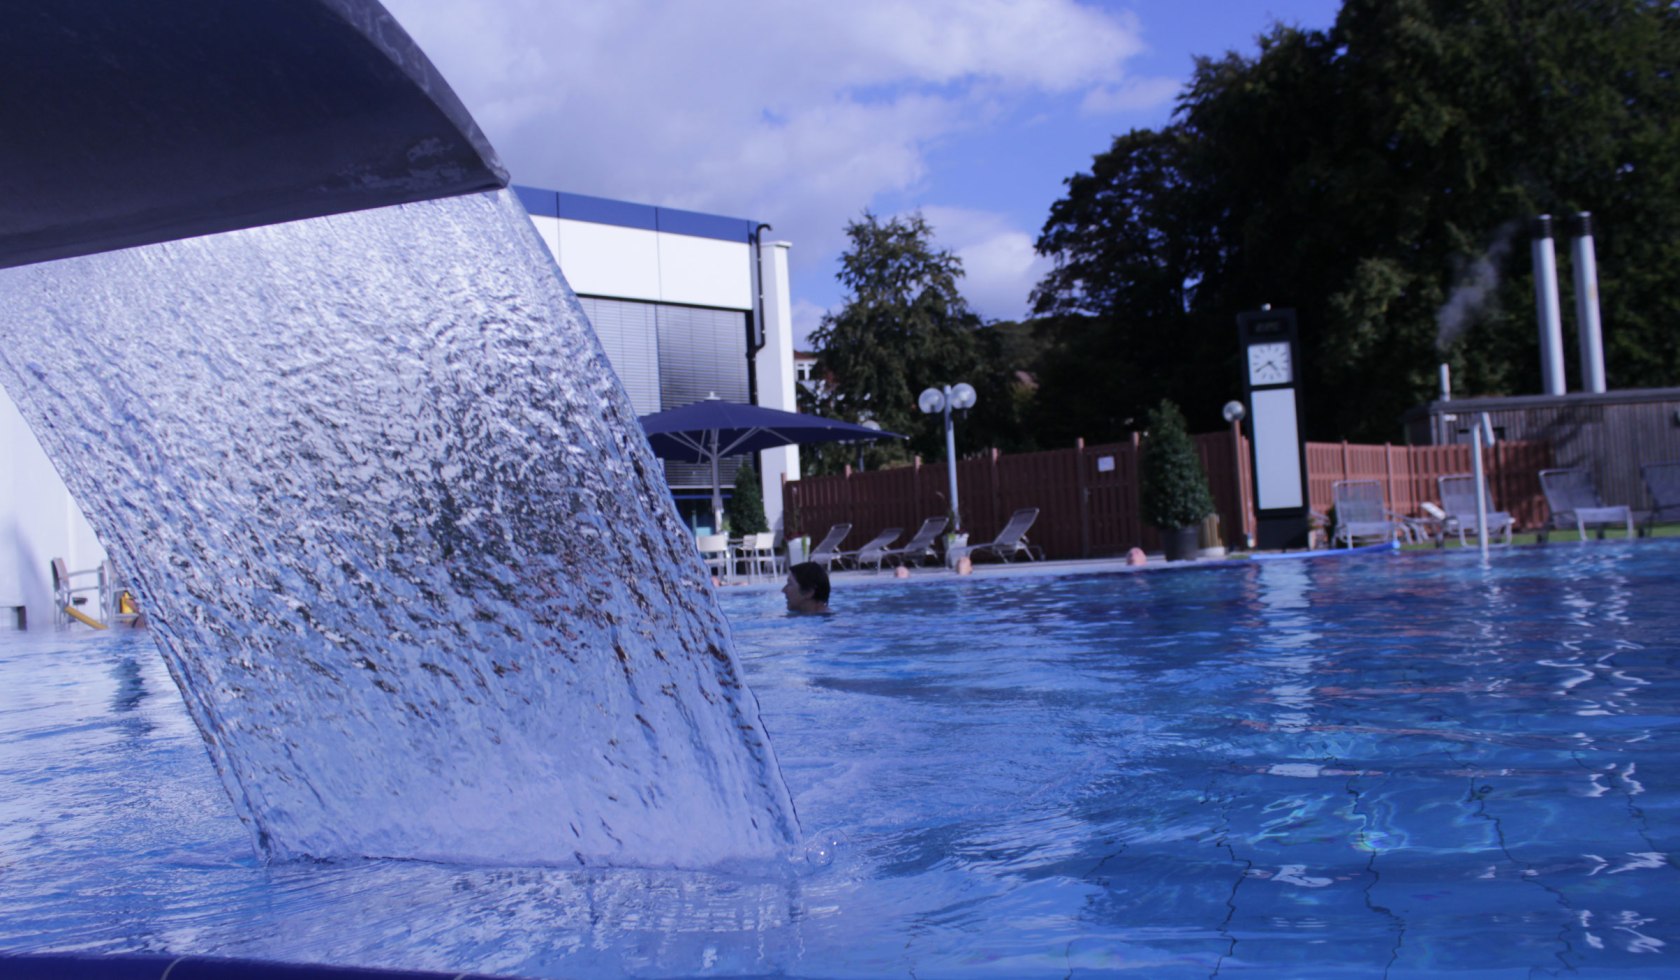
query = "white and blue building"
x=686 y=305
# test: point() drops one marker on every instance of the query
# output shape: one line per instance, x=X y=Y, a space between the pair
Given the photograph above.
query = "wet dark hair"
x=812 y=578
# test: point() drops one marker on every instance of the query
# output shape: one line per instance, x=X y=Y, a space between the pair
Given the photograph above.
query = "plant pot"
x=1181 y=543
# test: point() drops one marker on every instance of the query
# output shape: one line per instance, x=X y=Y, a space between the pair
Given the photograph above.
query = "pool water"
x=1389 y=765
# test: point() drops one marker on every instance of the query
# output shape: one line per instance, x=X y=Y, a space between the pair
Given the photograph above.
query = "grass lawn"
x=1554 y=537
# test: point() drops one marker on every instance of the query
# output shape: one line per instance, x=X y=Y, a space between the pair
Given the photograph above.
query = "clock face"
x=1268 y=364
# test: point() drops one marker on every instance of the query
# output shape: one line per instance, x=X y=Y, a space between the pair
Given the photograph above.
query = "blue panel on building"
x=705 y=225
x=605 y=211
x=538 y=201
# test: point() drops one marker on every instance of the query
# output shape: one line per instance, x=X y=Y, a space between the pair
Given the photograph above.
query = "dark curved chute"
x=131 y=123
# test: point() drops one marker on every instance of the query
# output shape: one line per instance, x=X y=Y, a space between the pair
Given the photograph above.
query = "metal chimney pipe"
x=1446 y=383
x=1546 y=304
x=1586 y=304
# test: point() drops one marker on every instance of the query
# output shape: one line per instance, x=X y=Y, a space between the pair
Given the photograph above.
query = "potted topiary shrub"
x=1174 y=489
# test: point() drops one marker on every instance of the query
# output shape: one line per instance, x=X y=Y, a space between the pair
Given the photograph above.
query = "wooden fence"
x=1088 y=495
x=1513 y=471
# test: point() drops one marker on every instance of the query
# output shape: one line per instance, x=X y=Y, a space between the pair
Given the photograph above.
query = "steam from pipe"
x=1476 y=285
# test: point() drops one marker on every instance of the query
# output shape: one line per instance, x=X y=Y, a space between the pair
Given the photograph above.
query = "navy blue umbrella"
x=710 y=430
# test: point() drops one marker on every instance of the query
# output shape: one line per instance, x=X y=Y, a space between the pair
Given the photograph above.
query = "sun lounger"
x=920 y=547
x=871 y=551
x=1012 y=540
x=1574 y=502
x=1362 y=514
x=1663 y=480
x=1458 y=499
x=829 y=547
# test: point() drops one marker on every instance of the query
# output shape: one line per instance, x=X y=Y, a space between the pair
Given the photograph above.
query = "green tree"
x=1377 y=177
x=1174 y=491
x=904 y=327
x=745 y=510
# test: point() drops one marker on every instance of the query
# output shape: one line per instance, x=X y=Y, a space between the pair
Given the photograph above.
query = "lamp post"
x=1234 y=412
x=933 y=401
x=868 y=424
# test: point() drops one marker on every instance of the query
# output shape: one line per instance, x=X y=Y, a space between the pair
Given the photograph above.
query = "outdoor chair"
x=68 y=596
x=870 y=551
x=758 y=553
x=716 y=553
x=1012 y=540
x=1663 y=480
x=829 y=547
x=1458 y=500
x=1573 y=501
x=920 y=547
x=1363 y=514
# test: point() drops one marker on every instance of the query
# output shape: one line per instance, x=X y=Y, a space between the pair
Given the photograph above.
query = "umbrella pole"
x=717 y=489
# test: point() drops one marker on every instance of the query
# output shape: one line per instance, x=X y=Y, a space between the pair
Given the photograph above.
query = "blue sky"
x=804 y=114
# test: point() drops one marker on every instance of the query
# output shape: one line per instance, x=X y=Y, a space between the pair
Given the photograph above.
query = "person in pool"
x=807 y=588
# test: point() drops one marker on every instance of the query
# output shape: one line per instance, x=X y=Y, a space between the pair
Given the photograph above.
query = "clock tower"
x=1271 y=384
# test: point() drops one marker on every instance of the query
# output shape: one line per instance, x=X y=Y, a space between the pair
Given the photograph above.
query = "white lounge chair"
x=920 y=547
x=1458 y=499
x=871 y=551
x=1363 y=514
x=829 y=547
x=1573 y=501
x=1012 y=540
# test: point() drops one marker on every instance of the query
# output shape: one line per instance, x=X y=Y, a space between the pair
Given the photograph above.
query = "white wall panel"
x=607 y=260
x=1277 y=450
x=549 y=229
x=39 y=521
x=704 y=272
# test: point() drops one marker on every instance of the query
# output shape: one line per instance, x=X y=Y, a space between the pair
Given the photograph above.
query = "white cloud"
x=807 y=316
x=743 y=105
x=999 y=264
x=1131 y=95
x=800 y=114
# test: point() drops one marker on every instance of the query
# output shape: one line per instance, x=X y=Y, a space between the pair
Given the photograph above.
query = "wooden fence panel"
x=1227 y=472
x=1109 y=523
x=1088 y=495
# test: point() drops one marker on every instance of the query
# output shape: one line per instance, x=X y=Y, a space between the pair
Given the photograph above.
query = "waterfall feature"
x=400 y=538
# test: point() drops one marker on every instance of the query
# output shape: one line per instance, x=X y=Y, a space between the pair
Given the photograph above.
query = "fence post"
x=1388 y=477
x=992 y=478
x=1084 y=498
x=1347 y=473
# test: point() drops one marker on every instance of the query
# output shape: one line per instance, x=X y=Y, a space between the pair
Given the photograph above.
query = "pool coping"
x=1156 y=563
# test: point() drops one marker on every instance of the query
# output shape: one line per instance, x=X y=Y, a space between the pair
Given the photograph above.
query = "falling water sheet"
x=400 y=540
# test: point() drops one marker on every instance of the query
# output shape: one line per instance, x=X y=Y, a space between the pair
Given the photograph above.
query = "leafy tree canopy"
x=1378 y=178
x=905 y=327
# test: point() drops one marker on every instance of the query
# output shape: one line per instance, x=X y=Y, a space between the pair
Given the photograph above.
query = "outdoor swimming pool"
x=1401 y=764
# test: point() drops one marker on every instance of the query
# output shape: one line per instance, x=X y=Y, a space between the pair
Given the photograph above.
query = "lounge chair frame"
x=921 y=546
x=1362 y=513
x=829 y=547
x=1458 y=499
x=1012 y=540
x=1573 y=501
x=1663 y=481
x=871 y=551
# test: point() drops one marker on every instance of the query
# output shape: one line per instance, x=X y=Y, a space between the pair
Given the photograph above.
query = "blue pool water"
x=1395 y=765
